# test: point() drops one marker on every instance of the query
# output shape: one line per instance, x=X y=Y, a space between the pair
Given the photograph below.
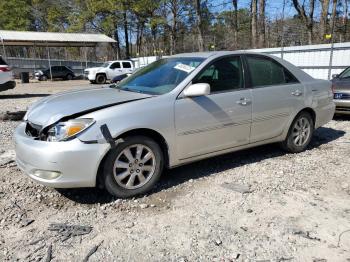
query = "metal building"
x=48 y=40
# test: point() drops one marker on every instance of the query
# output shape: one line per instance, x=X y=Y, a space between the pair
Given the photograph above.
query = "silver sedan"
x=174 y=111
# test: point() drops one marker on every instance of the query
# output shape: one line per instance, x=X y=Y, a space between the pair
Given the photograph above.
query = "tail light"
x=5 y=69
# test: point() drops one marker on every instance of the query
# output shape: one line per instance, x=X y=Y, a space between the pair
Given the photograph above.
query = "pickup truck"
x=108 y=70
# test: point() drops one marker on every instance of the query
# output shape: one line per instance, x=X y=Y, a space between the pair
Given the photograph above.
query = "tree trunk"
x=262 y=23
x=345 y=20
x=323 y=19
x=173 y=33
x=116 y=45
x=254 y=23
x=334 y=13
x=127 y=51
x=199 y=25
x=235 y=25
x=307 y=19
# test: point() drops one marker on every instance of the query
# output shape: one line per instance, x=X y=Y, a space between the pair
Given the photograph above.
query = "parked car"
x=341 y=87
x=63 y=72
x=174 y=111
x=6 y=76
x=119 y=78
x=109 y=70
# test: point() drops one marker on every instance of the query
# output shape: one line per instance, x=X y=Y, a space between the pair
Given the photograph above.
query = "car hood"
x=341 y=86
x=51 y=109
x=93 y=69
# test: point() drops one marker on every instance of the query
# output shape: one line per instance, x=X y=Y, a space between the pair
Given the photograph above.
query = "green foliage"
x=15 y=15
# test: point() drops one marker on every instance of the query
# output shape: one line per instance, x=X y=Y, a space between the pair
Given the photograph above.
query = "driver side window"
x=115 y=65
x=223 y=75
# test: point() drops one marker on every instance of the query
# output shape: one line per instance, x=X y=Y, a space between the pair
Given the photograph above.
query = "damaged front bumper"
x=66 y=164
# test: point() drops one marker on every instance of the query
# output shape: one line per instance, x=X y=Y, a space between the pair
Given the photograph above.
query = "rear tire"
x=133 y=167
x=69 y=77
x=100 y=79
x=299 y=134
x=43 y=78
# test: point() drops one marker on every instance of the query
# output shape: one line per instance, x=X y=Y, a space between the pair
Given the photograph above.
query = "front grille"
x=343 y=96
x=340 y=108
x=33 y=129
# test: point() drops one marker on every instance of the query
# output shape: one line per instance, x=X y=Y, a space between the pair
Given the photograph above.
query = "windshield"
x=105 y=64
x=161 y=76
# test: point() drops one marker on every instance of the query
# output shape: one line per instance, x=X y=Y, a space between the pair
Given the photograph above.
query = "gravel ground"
x=255 y=205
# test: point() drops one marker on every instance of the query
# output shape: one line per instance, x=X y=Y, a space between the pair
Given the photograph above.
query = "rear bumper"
x=76 y=162
x=8 y=85
x=342 y=106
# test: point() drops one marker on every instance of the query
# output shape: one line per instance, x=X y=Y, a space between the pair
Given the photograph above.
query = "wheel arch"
x=156 y=136
x=310 y=111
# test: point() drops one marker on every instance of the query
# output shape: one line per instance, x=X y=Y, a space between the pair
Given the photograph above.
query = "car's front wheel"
x=100 y=79
x=133 y=167
x=299 y=134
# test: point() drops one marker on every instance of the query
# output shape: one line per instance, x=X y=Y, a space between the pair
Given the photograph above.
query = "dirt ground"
x=255 y=205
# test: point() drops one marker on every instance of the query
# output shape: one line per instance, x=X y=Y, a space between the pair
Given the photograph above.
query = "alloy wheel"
x=134 y=166
x=301 y=131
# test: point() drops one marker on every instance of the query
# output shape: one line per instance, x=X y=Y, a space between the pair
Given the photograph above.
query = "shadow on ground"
x=205 y=167
x=14 y=96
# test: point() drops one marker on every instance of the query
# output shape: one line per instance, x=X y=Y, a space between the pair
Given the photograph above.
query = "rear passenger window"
x=266 y=72
x=126 y=65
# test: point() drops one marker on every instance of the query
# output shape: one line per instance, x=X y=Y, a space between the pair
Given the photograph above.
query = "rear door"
x=127 y=67
x=220 y=120
x=276 y=95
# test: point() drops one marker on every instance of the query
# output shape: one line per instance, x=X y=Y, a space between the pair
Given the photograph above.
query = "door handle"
x=297 y=93
x=244 y=101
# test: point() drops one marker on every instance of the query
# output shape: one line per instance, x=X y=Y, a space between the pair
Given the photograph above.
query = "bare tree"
x=308 y=19
x=254 y=5
x=235 y=23
x=261 y=26
x=323 y=18
x=334 y=13
x=199 y=25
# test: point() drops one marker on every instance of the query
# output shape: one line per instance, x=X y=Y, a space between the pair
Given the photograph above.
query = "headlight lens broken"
x=65 y=130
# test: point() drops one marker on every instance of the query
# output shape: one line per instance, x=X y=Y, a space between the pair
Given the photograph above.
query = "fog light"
x=45 y=174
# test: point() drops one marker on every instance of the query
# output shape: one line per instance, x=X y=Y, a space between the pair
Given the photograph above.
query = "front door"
x=115 y=69
x=217 y=121
x=276 y=94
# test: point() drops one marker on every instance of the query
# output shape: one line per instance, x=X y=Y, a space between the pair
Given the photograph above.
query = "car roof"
x=212 y=53
x=301 y=75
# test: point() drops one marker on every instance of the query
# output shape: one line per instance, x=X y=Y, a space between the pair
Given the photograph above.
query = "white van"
x=109 y=70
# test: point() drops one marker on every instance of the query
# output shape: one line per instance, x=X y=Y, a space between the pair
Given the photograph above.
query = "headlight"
x=65 y=130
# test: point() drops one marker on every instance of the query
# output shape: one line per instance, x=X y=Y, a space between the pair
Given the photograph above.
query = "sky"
x=273 y=7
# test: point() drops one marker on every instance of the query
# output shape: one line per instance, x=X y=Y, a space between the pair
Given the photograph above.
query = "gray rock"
x=244 y=189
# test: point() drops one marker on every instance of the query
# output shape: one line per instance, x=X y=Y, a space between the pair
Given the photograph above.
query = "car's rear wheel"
x=101 y=79
x=133 y=167
x=43 y=78
x=69 y=77
x=299 y=134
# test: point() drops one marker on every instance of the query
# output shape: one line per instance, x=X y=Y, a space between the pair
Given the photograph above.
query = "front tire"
x=133 y=167
x=100 y=79
x=299 y=134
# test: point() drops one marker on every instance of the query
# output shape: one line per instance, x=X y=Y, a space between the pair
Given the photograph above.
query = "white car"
x=6 y=76
x=109 y=70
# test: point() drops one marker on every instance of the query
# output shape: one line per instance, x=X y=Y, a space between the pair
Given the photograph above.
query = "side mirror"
x=335 y=76
x=200 y=89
